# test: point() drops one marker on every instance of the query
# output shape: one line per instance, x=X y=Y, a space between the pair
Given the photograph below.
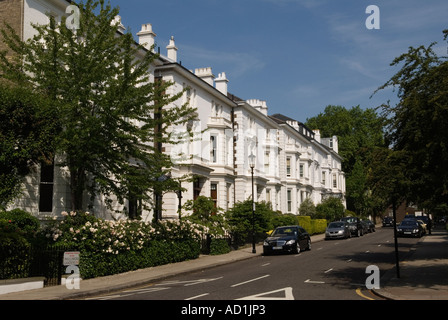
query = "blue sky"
x=298 y=55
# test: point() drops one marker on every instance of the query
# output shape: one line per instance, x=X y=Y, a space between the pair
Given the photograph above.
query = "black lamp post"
x=179 y=196
x=252 y=166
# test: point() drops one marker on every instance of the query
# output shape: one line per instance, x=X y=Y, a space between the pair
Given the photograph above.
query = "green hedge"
x=312 y=226
x=22 y=220
x=94 y=264
x=318 y=226
x=14 y=255
x=107 y=247
x=305 y=222
x=219 y=246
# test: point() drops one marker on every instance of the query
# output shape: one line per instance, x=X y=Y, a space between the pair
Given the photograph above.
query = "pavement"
x=423 y=274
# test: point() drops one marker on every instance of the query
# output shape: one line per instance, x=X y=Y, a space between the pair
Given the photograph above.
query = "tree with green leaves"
x=240 y=220
x=114 y=116
x=417 y=124
x=28 y=128
x=307 y=208
x=330 y=209
x=359 y=131
x=387 y=176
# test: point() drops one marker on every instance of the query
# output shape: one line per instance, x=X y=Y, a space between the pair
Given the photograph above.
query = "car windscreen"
x=336 y=225
x=349 y=220
x=282 y=232
x=408 y=223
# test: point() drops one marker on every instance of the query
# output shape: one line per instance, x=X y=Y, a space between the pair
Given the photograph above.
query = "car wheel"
x=297 y=248
x=308 y=247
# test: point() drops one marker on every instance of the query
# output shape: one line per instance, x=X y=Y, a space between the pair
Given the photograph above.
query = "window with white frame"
x=266 y=161
x=268 y=195
x=214 y=193
x=213 y=148
x=46 y=188
x=289 y=199
x=288 y=166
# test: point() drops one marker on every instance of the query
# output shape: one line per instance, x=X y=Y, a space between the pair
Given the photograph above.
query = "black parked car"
x=370 y=225
x=409 y=227
x=292 y=239
x=355 y=225
x=388 y=222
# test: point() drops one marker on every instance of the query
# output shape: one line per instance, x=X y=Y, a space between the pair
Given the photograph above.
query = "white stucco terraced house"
x=291 y=162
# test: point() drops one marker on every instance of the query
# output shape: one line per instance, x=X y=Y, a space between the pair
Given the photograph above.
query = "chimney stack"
x=205 y=74
x=120 y=26
x=259 y=105
x=146 y=37
x=317 y=135
x=221 y=83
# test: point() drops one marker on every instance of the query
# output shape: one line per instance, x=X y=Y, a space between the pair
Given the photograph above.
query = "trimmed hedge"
x=312 y=226
x=94 y=264
x=318 y=226
x=305 y=222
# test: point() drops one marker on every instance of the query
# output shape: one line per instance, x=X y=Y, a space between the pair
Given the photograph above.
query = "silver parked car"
x=337 y=230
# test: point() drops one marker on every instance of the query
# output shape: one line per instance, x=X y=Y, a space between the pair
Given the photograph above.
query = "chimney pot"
x=172 y=50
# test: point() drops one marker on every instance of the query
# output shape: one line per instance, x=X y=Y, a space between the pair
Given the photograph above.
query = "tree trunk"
x=76 y=188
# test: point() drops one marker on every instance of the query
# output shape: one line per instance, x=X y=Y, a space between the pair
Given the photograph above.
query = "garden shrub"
x=219 y=246
x=24 y=221
x=110 y=247
x=280 y=219
x=318 y=226
x=14 y=252
x=239 y=219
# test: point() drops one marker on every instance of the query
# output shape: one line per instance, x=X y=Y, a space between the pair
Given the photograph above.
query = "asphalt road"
x=334 y=269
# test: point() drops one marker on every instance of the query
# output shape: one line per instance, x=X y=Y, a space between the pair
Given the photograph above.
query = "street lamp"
x=252 y=166
x=179 y=196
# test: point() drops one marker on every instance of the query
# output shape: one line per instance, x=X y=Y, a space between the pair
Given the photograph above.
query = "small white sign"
x=71 y=258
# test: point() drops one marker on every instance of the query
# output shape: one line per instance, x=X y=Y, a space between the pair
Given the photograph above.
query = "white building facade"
x=291 y=162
